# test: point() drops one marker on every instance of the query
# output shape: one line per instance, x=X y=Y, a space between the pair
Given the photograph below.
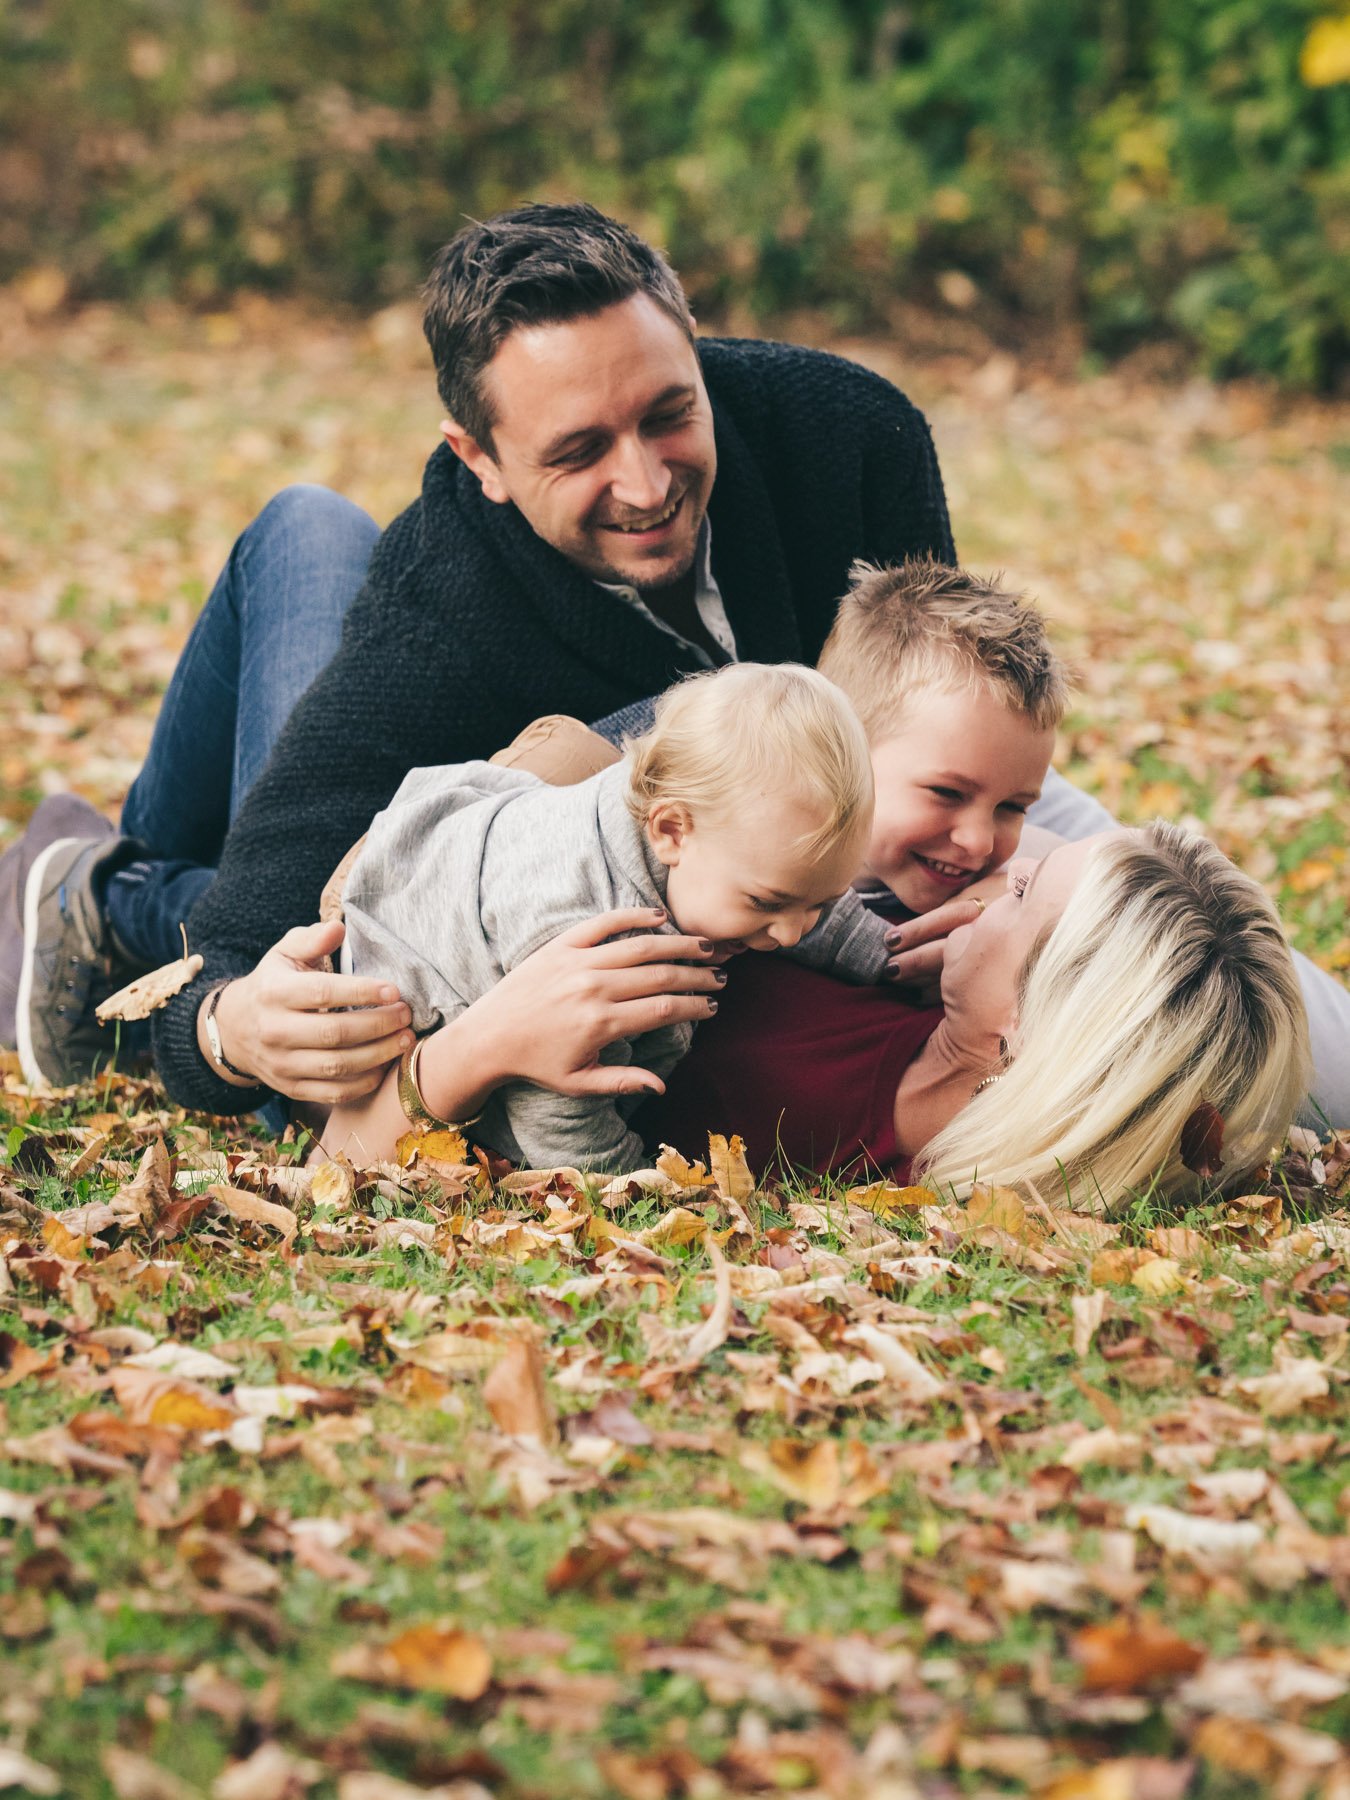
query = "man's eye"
x=577 y=458
x=667 y=421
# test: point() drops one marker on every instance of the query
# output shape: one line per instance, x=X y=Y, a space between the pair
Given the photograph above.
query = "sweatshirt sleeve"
x=847 y=940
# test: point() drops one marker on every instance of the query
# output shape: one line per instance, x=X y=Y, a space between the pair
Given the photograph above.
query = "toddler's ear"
x=668 y=828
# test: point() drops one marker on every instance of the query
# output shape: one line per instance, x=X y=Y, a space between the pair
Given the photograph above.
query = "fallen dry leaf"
x=433 y=1659
x=240 y=1204
x=517 y=1398
x=1130 y=1654
x=147 y=993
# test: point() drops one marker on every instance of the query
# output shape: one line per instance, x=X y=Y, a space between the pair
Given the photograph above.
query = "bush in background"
x=1127 y=169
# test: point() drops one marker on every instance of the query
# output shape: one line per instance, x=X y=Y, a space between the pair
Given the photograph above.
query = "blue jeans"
x=273 y=621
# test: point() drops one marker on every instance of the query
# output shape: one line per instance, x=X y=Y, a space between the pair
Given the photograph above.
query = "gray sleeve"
x=586 y=1132
x=379 y=952
x=847 y=940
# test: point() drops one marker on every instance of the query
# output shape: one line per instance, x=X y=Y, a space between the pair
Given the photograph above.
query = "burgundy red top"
x=799 y=1064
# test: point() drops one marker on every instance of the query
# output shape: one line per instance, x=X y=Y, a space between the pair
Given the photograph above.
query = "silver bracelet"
x=212 y=1030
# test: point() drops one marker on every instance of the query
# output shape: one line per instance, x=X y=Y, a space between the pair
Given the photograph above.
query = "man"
x=614 y=506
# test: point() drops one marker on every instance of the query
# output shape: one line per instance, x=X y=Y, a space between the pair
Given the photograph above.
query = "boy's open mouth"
x=952 y=873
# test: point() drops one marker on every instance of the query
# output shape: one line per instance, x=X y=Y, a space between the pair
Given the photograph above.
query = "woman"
x=1117 y=985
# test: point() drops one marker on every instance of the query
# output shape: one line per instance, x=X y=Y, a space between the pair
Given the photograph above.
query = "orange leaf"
x=516 y=1396
x=434 y=1659
x=190 y=1411
x=730 y=1171
x=1129 y=1654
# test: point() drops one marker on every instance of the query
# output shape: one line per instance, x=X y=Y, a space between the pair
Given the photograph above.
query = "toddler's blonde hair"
x=923 y=626
x=723 y=741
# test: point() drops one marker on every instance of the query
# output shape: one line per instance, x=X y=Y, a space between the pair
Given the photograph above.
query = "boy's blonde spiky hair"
x=922 y=626
x=723 y=741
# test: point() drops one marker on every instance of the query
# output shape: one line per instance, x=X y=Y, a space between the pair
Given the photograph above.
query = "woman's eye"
x=947 y=794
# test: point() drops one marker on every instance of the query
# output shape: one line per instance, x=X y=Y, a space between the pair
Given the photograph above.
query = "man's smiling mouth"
x=638 y=527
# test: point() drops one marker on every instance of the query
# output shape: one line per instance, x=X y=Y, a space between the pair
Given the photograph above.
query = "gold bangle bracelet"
x=415 y=1109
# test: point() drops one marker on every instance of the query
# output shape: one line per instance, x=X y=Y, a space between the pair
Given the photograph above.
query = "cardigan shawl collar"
x=598 y=626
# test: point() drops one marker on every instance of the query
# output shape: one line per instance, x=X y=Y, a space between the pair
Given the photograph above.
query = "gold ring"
x=980 y=903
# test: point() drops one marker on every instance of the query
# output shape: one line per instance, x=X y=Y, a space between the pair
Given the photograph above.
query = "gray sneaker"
x=58 y=816
x=69 y=963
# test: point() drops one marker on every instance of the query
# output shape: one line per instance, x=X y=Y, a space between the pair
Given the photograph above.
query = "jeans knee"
x=316 y=514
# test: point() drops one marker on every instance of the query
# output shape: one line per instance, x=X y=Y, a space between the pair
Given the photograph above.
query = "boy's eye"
x=1014 y=806
x=762 y=905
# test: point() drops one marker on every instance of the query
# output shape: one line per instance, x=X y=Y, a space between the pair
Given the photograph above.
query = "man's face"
x=603 y=440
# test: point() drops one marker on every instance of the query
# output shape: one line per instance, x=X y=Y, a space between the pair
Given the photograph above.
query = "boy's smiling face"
x=953 y=783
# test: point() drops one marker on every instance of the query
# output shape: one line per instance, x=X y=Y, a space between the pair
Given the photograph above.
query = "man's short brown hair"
x=921 y=626
x=536 y=265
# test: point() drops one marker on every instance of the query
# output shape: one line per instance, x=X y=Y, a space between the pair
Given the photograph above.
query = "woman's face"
x=985 y=959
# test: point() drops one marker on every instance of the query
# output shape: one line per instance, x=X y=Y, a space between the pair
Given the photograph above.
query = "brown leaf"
x=516 y=1396
x=433 y=1659
x=999 y=1208
x=134 y=1777
x=1088 y=1313
x=1202 y=1141
x=147 y=993
x=333 y=1184
x=240 y=1204
x=1130 y=1654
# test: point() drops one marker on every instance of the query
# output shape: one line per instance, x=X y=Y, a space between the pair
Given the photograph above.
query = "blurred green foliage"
x=1134 y=168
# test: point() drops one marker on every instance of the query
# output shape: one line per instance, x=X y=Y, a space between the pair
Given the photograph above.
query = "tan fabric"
x=557 y=749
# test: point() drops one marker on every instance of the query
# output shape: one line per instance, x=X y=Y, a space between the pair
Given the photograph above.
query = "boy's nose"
x=791 y=928
x=974 y=834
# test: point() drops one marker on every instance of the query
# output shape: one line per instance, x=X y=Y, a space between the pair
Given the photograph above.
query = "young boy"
x=744 y=813
x=959 y=693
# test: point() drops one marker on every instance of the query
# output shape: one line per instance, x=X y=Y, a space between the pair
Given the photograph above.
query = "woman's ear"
x=668 y=827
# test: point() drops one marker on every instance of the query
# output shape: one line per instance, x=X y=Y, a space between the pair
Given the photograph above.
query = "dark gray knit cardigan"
x=469 y=626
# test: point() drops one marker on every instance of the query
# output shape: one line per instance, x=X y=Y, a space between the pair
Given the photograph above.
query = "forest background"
x=1118 y=170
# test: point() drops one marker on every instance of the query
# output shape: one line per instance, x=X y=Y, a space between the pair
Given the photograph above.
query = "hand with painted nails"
x=919 y=945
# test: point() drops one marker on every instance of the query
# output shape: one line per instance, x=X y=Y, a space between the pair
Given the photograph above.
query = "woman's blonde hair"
x=1166 y=982
x=723 y=741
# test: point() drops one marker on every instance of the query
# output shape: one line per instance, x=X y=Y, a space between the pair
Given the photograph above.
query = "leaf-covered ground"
x=409 y=1480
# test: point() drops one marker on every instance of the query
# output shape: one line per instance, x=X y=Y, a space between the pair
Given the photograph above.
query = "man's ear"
x=476 y=460
x=668 y=826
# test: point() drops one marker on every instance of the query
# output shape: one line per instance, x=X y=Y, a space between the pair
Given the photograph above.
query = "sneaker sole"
x=32 y=1069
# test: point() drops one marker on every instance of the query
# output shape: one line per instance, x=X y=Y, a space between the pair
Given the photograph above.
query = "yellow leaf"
x=679 y=1226
x=334 y=1184
x=1115 y=1266
x=1325 y=58
x=806 y=1472
x=886 y=1200
x=59 y=1239
x=189 y=1411
x=1158 y=1275
x=147 y=993
x=730 y=1171
x=682 y=1172
x=997 y=1207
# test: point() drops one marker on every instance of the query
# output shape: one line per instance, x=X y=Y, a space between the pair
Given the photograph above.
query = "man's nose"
x=640 y=478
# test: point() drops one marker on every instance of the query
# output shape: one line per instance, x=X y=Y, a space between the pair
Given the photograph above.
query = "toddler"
x=745 y=812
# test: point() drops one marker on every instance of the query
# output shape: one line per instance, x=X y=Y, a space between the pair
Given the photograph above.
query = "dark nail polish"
x=719 y=975
x=707 y=944
x=712 y=1006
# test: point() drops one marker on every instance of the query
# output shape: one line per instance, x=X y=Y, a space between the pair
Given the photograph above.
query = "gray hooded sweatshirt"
x=471 y=867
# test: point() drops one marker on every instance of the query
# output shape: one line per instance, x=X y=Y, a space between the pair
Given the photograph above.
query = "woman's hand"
x=918 y=946
x=549 y=1019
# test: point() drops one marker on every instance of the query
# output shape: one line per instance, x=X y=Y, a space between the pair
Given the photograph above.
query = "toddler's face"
x=739 y=882
x=953 y=782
